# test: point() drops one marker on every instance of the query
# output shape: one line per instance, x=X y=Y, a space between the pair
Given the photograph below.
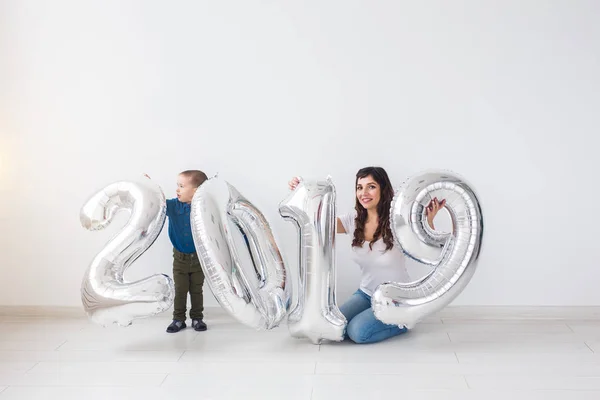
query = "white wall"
x=505 y=93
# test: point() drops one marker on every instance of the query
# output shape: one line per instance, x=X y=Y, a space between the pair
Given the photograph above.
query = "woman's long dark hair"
x=383 y=209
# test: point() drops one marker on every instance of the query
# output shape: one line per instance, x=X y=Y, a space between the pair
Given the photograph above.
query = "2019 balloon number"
x=258 y=292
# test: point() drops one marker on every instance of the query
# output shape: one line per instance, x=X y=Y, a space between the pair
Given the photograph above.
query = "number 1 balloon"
x=311 y=207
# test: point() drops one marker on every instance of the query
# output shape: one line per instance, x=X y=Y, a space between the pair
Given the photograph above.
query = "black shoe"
x=176 y=326
x=199 y=325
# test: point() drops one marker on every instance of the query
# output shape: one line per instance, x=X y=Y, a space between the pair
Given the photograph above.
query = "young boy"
x=187 y=272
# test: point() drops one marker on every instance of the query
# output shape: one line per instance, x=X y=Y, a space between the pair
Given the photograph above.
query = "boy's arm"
x=170 y=206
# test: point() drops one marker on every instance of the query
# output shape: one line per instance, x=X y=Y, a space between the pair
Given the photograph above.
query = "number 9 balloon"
x=454 y=256
x=106 y=297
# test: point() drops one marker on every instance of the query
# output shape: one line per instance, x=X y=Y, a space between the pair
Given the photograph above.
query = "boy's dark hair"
x=196 y=176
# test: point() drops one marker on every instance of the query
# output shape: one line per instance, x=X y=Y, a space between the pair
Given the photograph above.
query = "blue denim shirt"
x=180 y=231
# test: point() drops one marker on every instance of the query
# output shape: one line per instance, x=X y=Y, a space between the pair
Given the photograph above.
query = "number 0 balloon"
x=255 y=293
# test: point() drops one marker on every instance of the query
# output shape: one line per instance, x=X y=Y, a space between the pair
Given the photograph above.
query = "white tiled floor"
x=461 y=357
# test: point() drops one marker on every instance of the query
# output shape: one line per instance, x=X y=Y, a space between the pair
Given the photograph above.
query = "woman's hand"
x=432 y=209
x=293 y=183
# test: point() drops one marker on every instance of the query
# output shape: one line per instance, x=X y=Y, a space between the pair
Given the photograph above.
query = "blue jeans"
x=363 y=327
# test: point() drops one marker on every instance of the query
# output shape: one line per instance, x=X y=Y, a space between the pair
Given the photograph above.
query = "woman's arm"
x=432 y=209
x=340 y=226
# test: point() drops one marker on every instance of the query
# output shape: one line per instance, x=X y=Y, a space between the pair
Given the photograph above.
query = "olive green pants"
x=188 y=278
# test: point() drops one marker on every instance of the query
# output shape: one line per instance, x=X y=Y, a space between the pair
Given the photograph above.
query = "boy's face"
x=185 y=189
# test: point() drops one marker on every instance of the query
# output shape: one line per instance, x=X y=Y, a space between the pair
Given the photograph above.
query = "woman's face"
x=368 y=192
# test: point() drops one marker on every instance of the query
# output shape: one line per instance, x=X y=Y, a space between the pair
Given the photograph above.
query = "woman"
x=374 y=251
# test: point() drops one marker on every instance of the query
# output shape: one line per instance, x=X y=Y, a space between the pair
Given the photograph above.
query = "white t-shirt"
x=377 y=266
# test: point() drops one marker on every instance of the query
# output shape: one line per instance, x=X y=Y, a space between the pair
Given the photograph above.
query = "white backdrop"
x=505 y=93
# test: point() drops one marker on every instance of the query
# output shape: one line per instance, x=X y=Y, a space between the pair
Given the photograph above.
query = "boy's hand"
x=294 y=183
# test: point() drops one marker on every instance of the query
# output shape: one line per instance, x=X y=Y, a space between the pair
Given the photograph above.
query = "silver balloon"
x=453 y=256
x=106 y=297
x=311 y=206
x=255 y=293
